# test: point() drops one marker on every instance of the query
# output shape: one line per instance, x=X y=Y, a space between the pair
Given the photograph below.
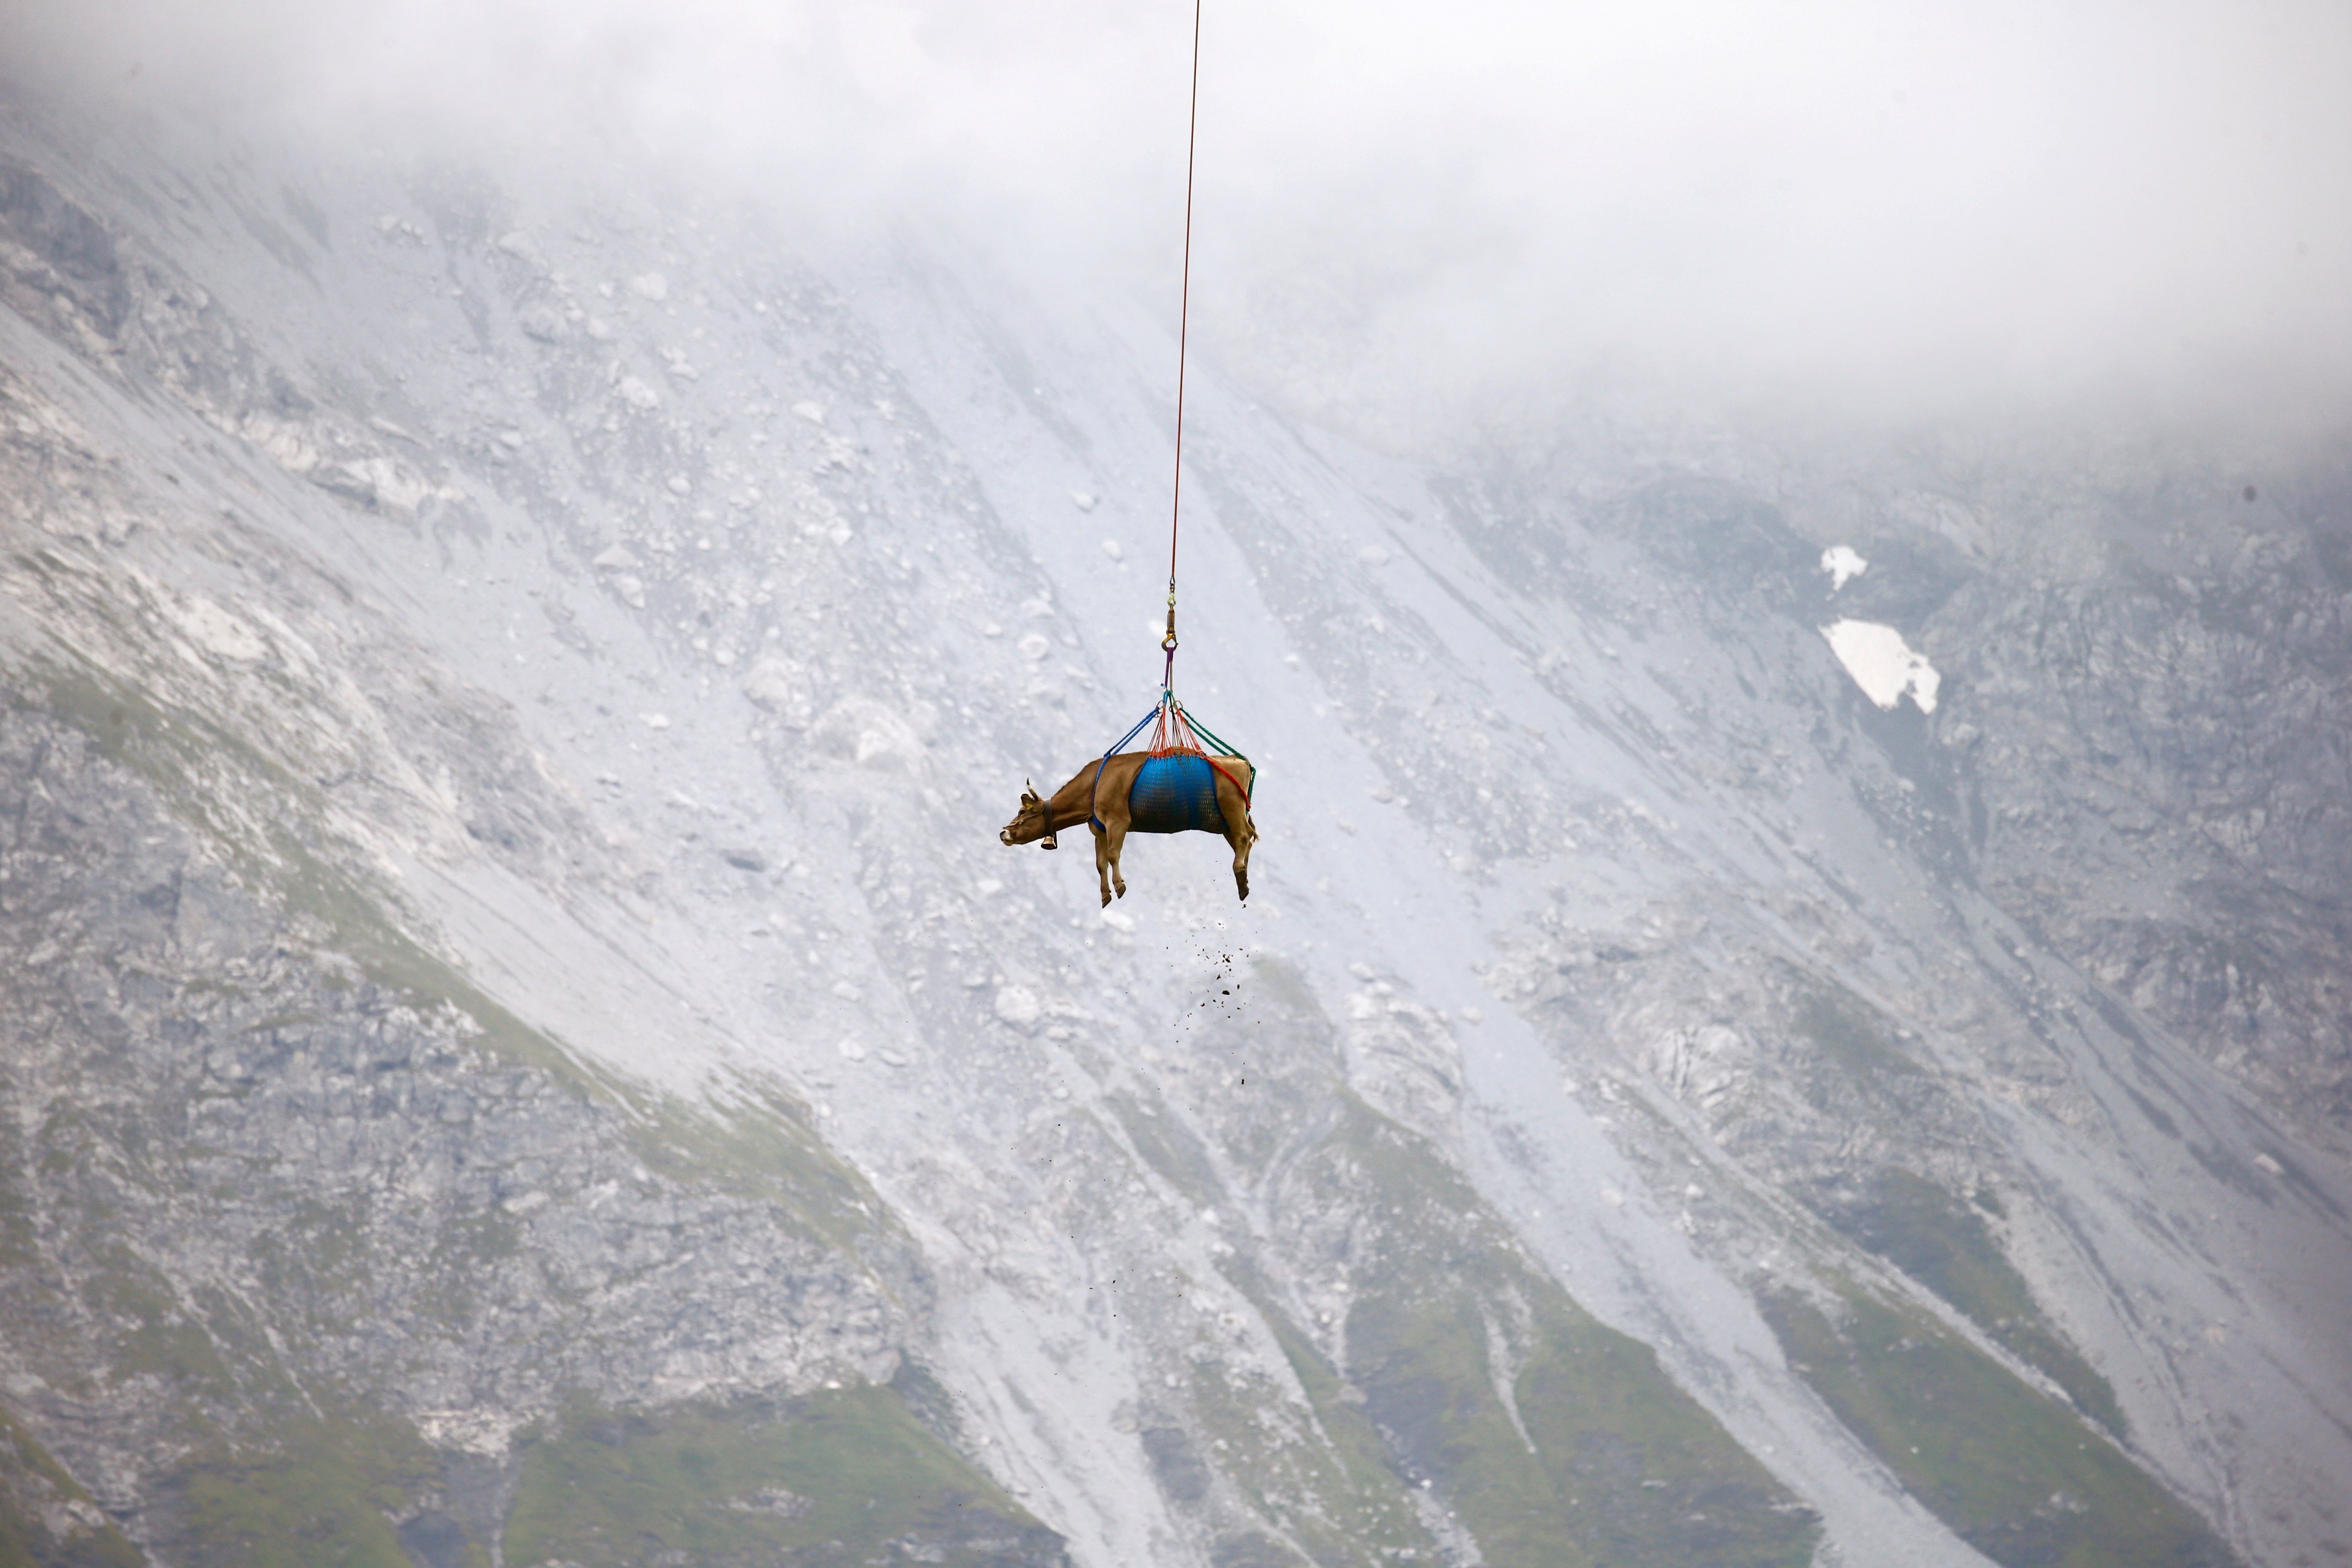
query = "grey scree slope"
x=522 y=1045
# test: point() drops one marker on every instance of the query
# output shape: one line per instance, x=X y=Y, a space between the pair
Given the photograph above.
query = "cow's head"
x=1028 y=824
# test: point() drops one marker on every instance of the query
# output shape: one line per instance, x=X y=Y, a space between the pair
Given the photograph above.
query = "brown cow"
x=1078 y=801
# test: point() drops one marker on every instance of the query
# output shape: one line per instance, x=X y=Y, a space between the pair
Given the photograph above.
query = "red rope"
x=1183 y=332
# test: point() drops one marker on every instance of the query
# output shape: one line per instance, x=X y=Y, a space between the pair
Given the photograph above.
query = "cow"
x=1182 y=792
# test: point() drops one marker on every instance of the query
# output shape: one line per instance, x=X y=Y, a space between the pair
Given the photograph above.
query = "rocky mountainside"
x=522 y=1046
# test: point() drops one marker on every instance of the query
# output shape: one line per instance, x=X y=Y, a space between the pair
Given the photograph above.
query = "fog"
x=1409 y=213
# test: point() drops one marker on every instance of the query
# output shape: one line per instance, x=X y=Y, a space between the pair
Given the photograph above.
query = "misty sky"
x=1886 y=206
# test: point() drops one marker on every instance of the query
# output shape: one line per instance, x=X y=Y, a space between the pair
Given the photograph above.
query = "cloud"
x=1895 y=207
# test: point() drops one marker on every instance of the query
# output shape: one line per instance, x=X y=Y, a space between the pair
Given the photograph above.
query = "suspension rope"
x=1183 y=331
x=1175 y=733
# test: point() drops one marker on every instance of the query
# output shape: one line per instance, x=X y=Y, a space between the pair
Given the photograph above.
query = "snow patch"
x=1883 y=664
x=1843 y=562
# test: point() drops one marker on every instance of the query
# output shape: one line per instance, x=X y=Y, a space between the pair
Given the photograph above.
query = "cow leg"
x=1240 y=831
x=1103 y=862
x=1116 y=820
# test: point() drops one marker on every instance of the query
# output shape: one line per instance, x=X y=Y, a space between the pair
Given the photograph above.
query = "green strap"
x=1224 y=747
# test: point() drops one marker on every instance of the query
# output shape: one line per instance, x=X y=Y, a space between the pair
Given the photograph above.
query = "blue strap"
x=1094 y=819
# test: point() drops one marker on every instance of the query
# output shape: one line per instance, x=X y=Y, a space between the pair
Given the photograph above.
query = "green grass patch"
x=1365 y=1510
x=1607 y=1462
x=34 y=1491
x=323 y=1496
x=1339 y=1498
x=1932 y=1237
x=2013 y=1473
x=1426 y=1378
x=841 y=1476
x=1471 y=1381
x=152 y=1336
x=1848 y=1035
x=1557 y=1441
x=19 y=1238
x=1650 y=1476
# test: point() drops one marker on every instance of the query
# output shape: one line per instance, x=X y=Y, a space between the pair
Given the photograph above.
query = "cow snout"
x=1004 y=835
